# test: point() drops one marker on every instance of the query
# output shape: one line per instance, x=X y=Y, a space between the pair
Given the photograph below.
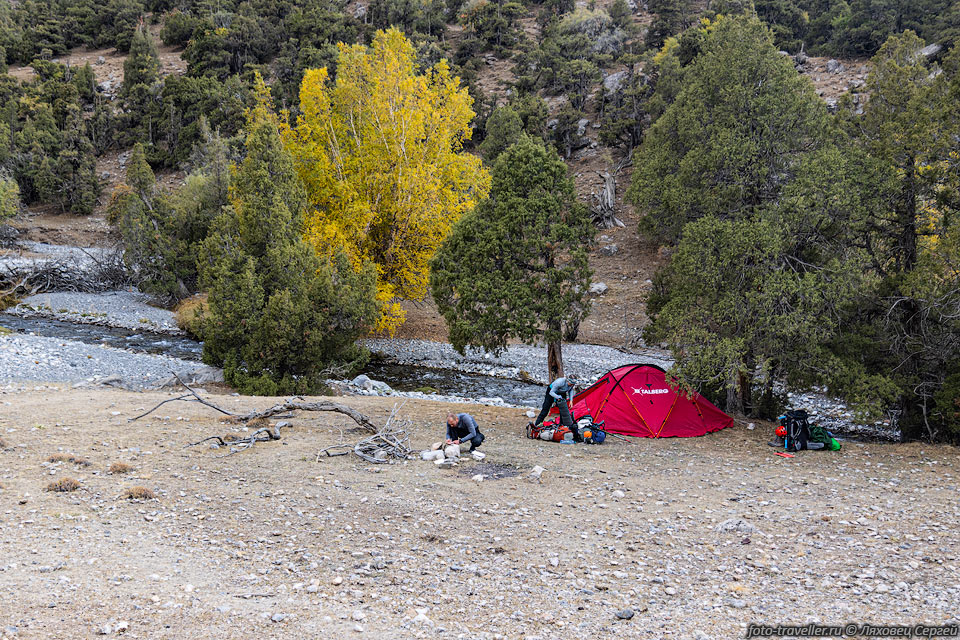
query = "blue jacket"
x=561 y=387
x=465 y=429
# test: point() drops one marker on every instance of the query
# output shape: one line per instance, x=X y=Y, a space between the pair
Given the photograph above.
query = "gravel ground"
x=36 y=358
x=696 y=537
x=124 y=309
x=518 y=361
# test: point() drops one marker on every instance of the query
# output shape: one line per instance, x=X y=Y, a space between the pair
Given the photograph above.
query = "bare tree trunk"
x=554 y=360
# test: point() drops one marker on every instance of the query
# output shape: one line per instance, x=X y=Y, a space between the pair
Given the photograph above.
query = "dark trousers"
x=565 y=418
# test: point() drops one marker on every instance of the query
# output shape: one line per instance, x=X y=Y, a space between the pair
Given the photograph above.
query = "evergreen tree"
x=503 y=129
x=9 y=197
x=732 y=138
x=668 y=20
x=279 y=314
x=516 y=266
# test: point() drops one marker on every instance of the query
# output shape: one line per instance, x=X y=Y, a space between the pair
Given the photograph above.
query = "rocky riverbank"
x=122 y=309
x=37 y=358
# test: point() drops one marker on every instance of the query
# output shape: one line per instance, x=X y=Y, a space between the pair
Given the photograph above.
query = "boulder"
x=613 y=83
x=609 y=250
x=834 y=66
x=431 y=455
x=582 y=125
x=598 y=288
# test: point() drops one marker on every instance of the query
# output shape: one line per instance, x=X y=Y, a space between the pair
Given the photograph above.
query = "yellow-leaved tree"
x=380 y=151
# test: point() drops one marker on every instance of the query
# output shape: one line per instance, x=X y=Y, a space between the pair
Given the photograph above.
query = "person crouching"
x=462 y=430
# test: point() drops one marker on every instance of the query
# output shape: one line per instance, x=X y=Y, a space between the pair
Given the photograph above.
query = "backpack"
x=551 y=431
x=798 y=429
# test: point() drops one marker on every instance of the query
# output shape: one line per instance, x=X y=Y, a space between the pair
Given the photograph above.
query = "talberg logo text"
x=651 y=392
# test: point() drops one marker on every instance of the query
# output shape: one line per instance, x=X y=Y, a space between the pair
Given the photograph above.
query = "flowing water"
x=137 y=341
x=399 y=377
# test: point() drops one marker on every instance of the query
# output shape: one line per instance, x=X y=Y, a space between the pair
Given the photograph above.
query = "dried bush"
x=63 y=485
x=69 y=457
x=139 y=493
x=120 y=467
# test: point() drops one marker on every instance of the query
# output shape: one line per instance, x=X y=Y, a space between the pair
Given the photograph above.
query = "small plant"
x=120 y=467
x=63 y=485
x=139 y=493
x=69 y=457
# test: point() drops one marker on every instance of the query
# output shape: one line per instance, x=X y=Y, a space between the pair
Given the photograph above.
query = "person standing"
x=560 y=392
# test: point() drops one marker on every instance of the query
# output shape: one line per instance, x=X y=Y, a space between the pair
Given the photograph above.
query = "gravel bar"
x=122 y=309
x=521 y=362
x=37 y=358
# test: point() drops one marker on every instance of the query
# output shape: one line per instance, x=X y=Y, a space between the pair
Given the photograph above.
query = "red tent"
x=635 y=400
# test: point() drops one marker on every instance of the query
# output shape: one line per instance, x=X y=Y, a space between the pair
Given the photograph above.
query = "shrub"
x=120 y=467
x=63 y=485
x=139 y=493
x=69 y=457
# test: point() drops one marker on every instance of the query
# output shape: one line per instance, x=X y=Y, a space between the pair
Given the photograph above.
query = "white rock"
x=452 y=451
x=431 y=455
x=477 y=478
x=598 y=288
x=535 y=473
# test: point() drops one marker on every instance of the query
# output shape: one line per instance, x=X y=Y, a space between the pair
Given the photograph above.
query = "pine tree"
x=516 y=266
x=503 y=129
x=279 y=314
x=732 y=138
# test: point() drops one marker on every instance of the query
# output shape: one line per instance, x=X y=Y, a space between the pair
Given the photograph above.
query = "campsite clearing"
x=697 y=537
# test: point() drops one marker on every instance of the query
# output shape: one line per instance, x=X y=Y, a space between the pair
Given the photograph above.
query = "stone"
x=361 y=381
x=360 y=11
x=834 y=66
x=278 y=617
x=554 y=561
x=614 y=82
x=431 y=455
x=337 y=581
x=477 y=478
x=531 y=414
x=609 y=250
x=358 y=628
x=421 y=618
x=670 y=591
x=451 y=451
x=582 y=125
x=737 y=525
x=618 y=494
x=598 y=288
x=358 y=616
x=101 y=60
x=535 y=473
x=624 y=614
x=930 y=50
x=477 y=455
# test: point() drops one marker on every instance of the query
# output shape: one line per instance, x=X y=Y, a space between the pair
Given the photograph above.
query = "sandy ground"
x=697 y=536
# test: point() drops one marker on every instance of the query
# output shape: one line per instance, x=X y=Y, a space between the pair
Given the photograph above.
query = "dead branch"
x=604 y=208
x=322 y=405
x=192 y=396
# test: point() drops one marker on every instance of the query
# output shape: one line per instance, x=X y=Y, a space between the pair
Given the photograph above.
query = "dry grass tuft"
x=189 y=314
x=63 y=485
x=69 y=457
x=139 y=493
x=120 y=467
